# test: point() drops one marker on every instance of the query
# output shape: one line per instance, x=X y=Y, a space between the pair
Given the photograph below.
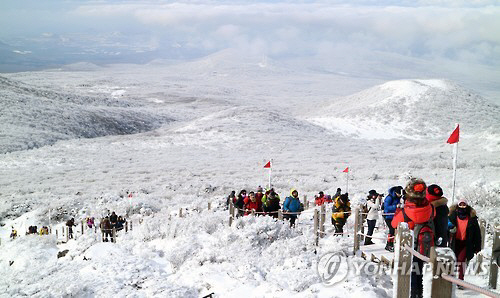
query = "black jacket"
x=441 y=221
x=472 y=232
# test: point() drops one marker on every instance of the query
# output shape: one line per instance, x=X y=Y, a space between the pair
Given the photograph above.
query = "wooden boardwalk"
x=377 y=253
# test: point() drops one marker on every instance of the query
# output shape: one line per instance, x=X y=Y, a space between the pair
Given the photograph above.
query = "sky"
x=465 y=32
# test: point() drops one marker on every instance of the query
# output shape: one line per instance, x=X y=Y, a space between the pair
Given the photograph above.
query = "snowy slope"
x=412 y=109
x=32 y=117
x=228 y=124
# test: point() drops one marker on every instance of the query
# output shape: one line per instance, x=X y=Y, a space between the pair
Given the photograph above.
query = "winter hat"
x=292 y=191
x=372 y=192
x=415 y=189
x=259 y=189
x=433 y=192
x=462 y=200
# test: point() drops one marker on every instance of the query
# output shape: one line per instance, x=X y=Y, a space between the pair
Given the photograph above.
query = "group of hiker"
x=267 y=202
x=422 y=207
x=110 y=222
x=425 y=210
x=107 y=224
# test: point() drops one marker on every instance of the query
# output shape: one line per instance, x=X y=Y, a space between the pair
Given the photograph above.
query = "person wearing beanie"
x=466 y=241
x=391 y=202
x=373 y=206
x=434 y=195
x=417 y=211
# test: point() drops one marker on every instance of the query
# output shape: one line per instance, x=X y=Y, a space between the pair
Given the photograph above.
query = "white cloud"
x=436 y=28
x=461 y=30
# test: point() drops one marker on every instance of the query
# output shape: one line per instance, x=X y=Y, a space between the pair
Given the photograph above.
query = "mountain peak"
x=408 y=109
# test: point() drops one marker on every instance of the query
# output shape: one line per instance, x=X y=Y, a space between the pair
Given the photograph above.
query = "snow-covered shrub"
x=483 y=198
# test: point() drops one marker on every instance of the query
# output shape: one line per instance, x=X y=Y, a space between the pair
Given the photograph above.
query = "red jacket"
x=416 y=214
x=252 y=206
x=319 y=201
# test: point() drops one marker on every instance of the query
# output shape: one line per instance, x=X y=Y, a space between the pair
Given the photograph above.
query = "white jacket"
x=373 y=209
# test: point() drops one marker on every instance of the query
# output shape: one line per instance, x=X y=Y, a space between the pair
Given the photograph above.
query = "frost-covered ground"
x=202 y=129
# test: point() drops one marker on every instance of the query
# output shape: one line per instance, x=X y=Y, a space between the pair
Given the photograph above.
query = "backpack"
x=423 y=235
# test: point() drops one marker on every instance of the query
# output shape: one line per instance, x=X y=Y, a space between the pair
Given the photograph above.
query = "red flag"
x=268 y=165
x=454 y=136
x=346 y=170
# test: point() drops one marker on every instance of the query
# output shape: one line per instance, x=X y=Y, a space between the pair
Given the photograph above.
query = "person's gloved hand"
x=454 y=230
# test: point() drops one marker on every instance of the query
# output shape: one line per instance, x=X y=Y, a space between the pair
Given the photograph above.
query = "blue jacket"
x=291 y=204
x=391 y=201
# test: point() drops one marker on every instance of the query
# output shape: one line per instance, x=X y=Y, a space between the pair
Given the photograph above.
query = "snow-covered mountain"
x=33 y=116
x=413 y=109
x=181 y=135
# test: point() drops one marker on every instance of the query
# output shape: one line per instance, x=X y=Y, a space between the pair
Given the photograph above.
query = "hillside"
x=180 y=136
x=413 y=109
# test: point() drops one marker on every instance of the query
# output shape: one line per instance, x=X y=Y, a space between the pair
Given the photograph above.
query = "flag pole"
x=455 y=157
x=347 y=182
x=270 y=171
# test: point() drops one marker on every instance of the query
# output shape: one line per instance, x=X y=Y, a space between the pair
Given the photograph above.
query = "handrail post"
x=231 y=213
x=495 y=259
x=356 y=230
x=180 y=212
x=402 y=261
x=322 y=221
x=316 y=226
x=113 y=235
x=209 y=206
x=361 y=226
x=479 y=257
x=442 y=262
x=280 y=214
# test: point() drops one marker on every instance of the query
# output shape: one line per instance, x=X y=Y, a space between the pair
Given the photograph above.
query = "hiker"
x=292 y=205
x=251 y=204
x=231 y=199
x=113 y=219
x=319 y=199
x=259 y=195
x=340 y=212
x=32 y=230
x=70 y=224
x=90 y=222
x=105 y=226
x=419 y=214
x=240 y=202
x=467 y=234
x=272 y=204
x=265 y=197
x=120 y=223
x=327 y=199
x=373 y=206
x=13 y=233
x=337 y=194
x=434 y=195
x=391 y=203
x=44 y=231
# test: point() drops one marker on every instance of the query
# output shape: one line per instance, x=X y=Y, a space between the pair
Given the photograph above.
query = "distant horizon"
x=386 y=39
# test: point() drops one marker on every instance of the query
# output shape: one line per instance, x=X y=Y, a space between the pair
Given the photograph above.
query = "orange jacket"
x=416 y=214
